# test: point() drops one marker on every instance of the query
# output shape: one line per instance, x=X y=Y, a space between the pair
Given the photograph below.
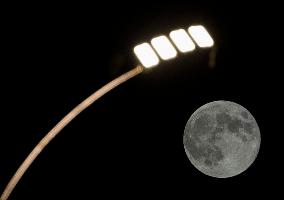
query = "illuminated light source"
x=163 y=47
x=182 y=40
x=146 y=55
x=201 y=36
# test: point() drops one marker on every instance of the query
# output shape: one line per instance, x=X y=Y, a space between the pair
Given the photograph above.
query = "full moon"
x=221 y=139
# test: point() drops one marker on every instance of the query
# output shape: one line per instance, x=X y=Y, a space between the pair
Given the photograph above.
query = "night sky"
x=129 y=144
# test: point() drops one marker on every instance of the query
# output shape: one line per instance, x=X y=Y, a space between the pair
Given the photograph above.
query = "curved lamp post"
x=149 y=55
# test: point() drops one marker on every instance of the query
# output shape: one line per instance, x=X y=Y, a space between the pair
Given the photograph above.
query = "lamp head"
x=164 y=48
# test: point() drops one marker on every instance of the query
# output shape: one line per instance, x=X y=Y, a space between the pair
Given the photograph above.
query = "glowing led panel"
x=163 y=46
x=146 y=55
x=201 y=36
x=182 y=40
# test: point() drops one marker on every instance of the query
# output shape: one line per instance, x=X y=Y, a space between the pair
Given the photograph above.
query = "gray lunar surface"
x=221 y=139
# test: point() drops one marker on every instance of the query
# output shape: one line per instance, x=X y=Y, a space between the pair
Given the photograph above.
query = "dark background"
x=129 y=143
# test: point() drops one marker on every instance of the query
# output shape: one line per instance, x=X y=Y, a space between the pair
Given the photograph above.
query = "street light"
x=147 y=55
x=201 y=36
x=164 y=47
x=183 y=41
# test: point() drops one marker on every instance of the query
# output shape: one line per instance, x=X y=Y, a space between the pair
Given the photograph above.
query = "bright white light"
x=182 y=40
x=164 y=47
x=146 y=55
x=201 y=36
